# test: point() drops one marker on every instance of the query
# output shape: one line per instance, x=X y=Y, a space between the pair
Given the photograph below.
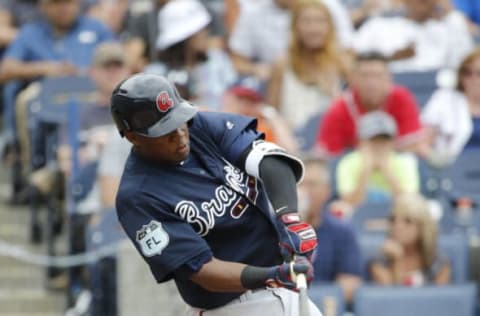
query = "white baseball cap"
x=180 y=19
x=376 y=123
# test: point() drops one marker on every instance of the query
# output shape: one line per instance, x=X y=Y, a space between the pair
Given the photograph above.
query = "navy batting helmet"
x=149 y=105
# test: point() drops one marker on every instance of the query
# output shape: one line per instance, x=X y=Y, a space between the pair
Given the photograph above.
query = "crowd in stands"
x=381 y=163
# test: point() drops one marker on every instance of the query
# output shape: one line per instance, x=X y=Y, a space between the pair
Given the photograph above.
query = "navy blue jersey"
x=180 y=216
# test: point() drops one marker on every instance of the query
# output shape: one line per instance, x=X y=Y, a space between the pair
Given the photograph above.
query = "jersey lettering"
x=203 y=219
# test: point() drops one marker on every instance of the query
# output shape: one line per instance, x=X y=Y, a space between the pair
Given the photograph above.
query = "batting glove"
x=284 y=274
x=300 y=239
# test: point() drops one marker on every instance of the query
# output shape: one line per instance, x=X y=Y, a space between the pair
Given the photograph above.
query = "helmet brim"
x=180 y=114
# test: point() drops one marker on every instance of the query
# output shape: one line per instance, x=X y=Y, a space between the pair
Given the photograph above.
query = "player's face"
x=172 y=148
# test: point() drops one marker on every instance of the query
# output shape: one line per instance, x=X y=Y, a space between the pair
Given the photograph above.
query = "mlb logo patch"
x=152 y=239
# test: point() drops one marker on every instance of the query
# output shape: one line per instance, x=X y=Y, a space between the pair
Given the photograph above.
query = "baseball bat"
x=303 y=305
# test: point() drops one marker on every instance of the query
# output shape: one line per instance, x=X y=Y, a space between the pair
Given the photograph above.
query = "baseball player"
x=208 y=203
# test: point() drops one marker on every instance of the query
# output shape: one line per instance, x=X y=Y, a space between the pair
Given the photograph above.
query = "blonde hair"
x=470 y=58
x=416 y=207
x=329 y=55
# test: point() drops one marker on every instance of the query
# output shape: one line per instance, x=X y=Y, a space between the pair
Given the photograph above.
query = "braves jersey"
x=179 y=216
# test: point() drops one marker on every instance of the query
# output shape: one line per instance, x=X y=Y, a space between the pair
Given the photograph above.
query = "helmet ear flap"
x=121 y=123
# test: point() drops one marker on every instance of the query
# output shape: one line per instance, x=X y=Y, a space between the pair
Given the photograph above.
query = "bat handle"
x=304 y=308
x=301 y=281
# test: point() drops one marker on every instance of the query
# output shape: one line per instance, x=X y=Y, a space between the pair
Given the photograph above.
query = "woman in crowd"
x=409 y=255
x=452 y=116
x=304 y=83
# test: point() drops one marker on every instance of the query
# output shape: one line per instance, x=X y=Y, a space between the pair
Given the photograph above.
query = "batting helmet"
x=149 y=105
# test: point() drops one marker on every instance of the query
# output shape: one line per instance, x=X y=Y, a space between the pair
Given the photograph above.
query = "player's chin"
x=183 y=152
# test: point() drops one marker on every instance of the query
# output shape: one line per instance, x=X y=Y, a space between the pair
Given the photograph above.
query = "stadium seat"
x=458 y=300
x=421 y=83
x=455 y=247
x=465 y=174
x=328 y=297
x=364 y=216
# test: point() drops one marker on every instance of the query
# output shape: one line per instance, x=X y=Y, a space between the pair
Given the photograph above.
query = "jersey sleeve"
x=165 y=240
x=233 y=134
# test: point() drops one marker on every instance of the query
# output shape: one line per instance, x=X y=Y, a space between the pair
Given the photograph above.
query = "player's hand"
x=301 y=237
x=284 y=274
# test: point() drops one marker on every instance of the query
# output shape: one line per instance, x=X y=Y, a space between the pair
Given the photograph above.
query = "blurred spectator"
x=108 y=69
x=244 y=97
x=471 y=9
x=304 y=83
x=452 y=116
x=375 y=172
x=371 y=89
x=111 y=12
x=362 y=10
x=409 y=255
x=337 y=258
x=260 y=35
x=185 y=56
x=13 y=15
x=426 y=38
x=62 y=44
x=140 y=36
x=110 y=168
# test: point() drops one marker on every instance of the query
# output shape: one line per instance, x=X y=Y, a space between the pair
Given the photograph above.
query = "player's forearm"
x=280 y=183
x=220 y=276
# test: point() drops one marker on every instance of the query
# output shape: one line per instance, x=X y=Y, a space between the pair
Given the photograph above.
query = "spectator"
x=185 y=55
x=337 y=258
x=260 y=35
x=362 y=10
x=13 y=15
x=426 y=37
x=304 y=83
x=471 y=9
x=375 y=172
x=108 y=69
x=110 y=168
x=371 y=89
x=409 y=255
x=452 y=116
x=62 y=44
x=111 y=12
x=140 y=36
x=244 y=98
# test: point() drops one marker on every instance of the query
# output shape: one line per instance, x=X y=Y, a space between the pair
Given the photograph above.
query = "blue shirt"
x=337 y=251
x=36 y=42
x=474 y=141
x=471 y=8
x=179 y=216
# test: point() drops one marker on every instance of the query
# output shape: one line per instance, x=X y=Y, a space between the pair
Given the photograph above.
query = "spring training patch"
x=152 y=239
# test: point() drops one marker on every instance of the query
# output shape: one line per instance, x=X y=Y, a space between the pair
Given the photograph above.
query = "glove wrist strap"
x=254 y=277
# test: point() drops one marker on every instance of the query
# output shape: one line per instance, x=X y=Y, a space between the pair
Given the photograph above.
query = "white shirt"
x=448 y=112
x=438 y=43
x=262 y=30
